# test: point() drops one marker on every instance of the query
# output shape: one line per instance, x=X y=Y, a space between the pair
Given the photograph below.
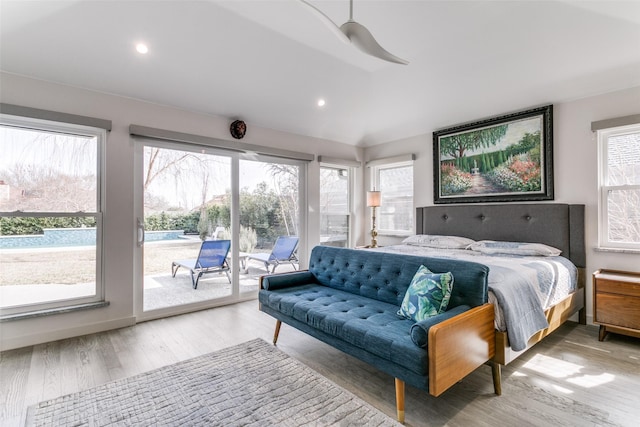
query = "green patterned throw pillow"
x=428 y=295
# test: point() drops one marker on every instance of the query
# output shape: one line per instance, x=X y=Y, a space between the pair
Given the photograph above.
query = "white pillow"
x=491 y=247
x=437 y=241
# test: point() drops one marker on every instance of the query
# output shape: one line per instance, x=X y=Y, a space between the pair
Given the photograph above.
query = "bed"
x=556 y=225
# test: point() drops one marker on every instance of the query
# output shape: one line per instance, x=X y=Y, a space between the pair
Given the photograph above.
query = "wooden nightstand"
x=616 y=302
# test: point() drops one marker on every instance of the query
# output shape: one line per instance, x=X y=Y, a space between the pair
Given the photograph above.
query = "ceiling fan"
x=356 y=34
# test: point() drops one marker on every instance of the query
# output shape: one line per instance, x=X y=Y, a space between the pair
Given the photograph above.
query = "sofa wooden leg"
x=275 y=334
x=497 y=377
x=400 y=400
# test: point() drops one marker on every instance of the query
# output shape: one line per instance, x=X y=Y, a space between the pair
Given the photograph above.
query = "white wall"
x=575 y=182
x=575 y=168
x=119 y=226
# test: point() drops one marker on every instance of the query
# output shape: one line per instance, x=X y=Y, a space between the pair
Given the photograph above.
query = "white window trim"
x=390 y=163
x=603 y=136
x=73 y=129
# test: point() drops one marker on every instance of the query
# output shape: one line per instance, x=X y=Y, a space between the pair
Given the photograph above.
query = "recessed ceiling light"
x=142 y=48
x=321 y=102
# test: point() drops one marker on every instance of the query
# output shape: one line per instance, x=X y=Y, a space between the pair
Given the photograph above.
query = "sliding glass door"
x=269 y=219
x=196 y=201
x=186 y=203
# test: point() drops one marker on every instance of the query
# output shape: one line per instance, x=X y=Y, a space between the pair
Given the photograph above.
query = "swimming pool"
x=67 y=237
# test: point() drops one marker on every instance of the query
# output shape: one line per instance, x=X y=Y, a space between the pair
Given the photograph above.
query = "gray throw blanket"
x=521 y=307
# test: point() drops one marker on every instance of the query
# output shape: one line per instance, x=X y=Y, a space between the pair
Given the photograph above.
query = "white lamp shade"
x=373 y=198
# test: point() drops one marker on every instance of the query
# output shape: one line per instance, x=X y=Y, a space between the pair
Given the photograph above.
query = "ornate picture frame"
x=503 y=159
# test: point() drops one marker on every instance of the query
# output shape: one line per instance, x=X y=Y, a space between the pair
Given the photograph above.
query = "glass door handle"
x=140 y=238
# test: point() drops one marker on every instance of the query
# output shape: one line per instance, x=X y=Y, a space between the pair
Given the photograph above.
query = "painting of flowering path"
x=499 y=159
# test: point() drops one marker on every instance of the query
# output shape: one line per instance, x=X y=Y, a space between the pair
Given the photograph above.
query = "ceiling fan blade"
x=328 y=22
x=364 y=40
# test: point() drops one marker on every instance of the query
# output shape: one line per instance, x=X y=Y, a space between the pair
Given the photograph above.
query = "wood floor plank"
x=570 y=378
x=44 y=373
x=128 y=363
x=14 y=373
x=109 y=357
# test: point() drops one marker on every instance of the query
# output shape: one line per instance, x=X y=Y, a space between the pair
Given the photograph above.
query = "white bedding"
x=551 y=277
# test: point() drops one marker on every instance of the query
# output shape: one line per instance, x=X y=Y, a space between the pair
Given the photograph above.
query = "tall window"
x=619 y=184
x=395 y=182
x=50 y=214
x=335 y=205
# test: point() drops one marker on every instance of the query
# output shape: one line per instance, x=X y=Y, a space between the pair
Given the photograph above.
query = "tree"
x=161 y=161
x=287 y=181
x=259 y=210
x=48 y=171
x=43 y=187
x=191 y=175
x=203 y=224
x=455 y=146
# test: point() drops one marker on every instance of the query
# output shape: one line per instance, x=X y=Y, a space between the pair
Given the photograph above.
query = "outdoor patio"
x=162 y=290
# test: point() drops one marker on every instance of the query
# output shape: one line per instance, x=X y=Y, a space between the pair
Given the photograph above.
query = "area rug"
x=250 y=384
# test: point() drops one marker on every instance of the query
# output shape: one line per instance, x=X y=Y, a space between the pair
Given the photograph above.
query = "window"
x=50 y=214
x=335 y=205
x=619 y=184
x=395 y=182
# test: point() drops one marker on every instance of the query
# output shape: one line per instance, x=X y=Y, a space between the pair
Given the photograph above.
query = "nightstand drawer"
x=613 y=286
x=616 y=302
x=618 y=310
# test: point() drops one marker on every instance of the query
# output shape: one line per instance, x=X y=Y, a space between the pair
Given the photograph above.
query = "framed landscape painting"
x=503 y=159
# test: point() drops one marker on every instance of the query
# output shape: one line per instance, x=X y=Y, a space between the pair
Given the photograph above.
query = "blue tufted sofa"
x=349 y=298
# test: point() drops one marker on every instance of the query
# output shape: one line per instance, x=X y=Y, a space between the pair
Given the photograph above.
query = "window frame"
x=393 y=163
x=604 y=188
x=351 y=171
x=69 y=128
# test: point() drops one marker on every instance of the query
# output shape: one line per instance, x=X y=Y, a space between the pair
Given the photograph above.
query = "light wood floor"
x=569 y=379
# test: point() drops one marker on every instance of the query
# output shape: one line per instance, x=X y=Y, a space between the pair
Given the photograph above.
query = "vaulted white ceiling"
x=268 y=62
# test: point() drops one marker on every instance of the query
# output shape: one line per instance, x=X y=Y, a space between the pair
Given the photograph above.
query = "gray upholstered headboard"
x=554 y=224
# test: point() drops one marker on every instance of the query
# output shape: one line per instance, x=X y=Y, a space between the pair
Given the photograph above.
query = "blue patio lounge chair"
x=283 y=252
x=212 y=258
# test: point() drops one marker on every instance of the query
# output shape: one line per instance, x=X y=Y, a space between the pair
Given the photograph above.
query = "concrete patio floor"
x=160 y=290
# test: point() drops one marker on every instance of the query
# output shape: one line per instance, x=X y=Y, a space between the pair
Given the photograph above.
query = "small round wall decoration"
x=238 y=129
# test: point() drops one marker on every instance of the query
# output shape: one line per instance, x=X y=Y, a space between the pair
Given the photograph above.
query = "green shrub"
x=163 y=221
x=15 y=226
x=248 y=238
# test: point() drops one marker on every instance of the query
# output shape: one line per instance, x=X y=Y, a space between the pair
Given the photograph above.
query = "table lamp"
x=373 y=201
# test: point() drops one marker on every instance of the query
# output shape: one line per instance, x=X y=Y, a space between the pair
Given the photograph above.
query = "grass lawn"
x=40 y=266
x=70 y=266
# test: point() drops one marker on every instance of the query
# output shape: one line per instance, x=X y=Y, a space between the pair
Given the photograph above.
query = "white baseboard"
x=40 y=338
